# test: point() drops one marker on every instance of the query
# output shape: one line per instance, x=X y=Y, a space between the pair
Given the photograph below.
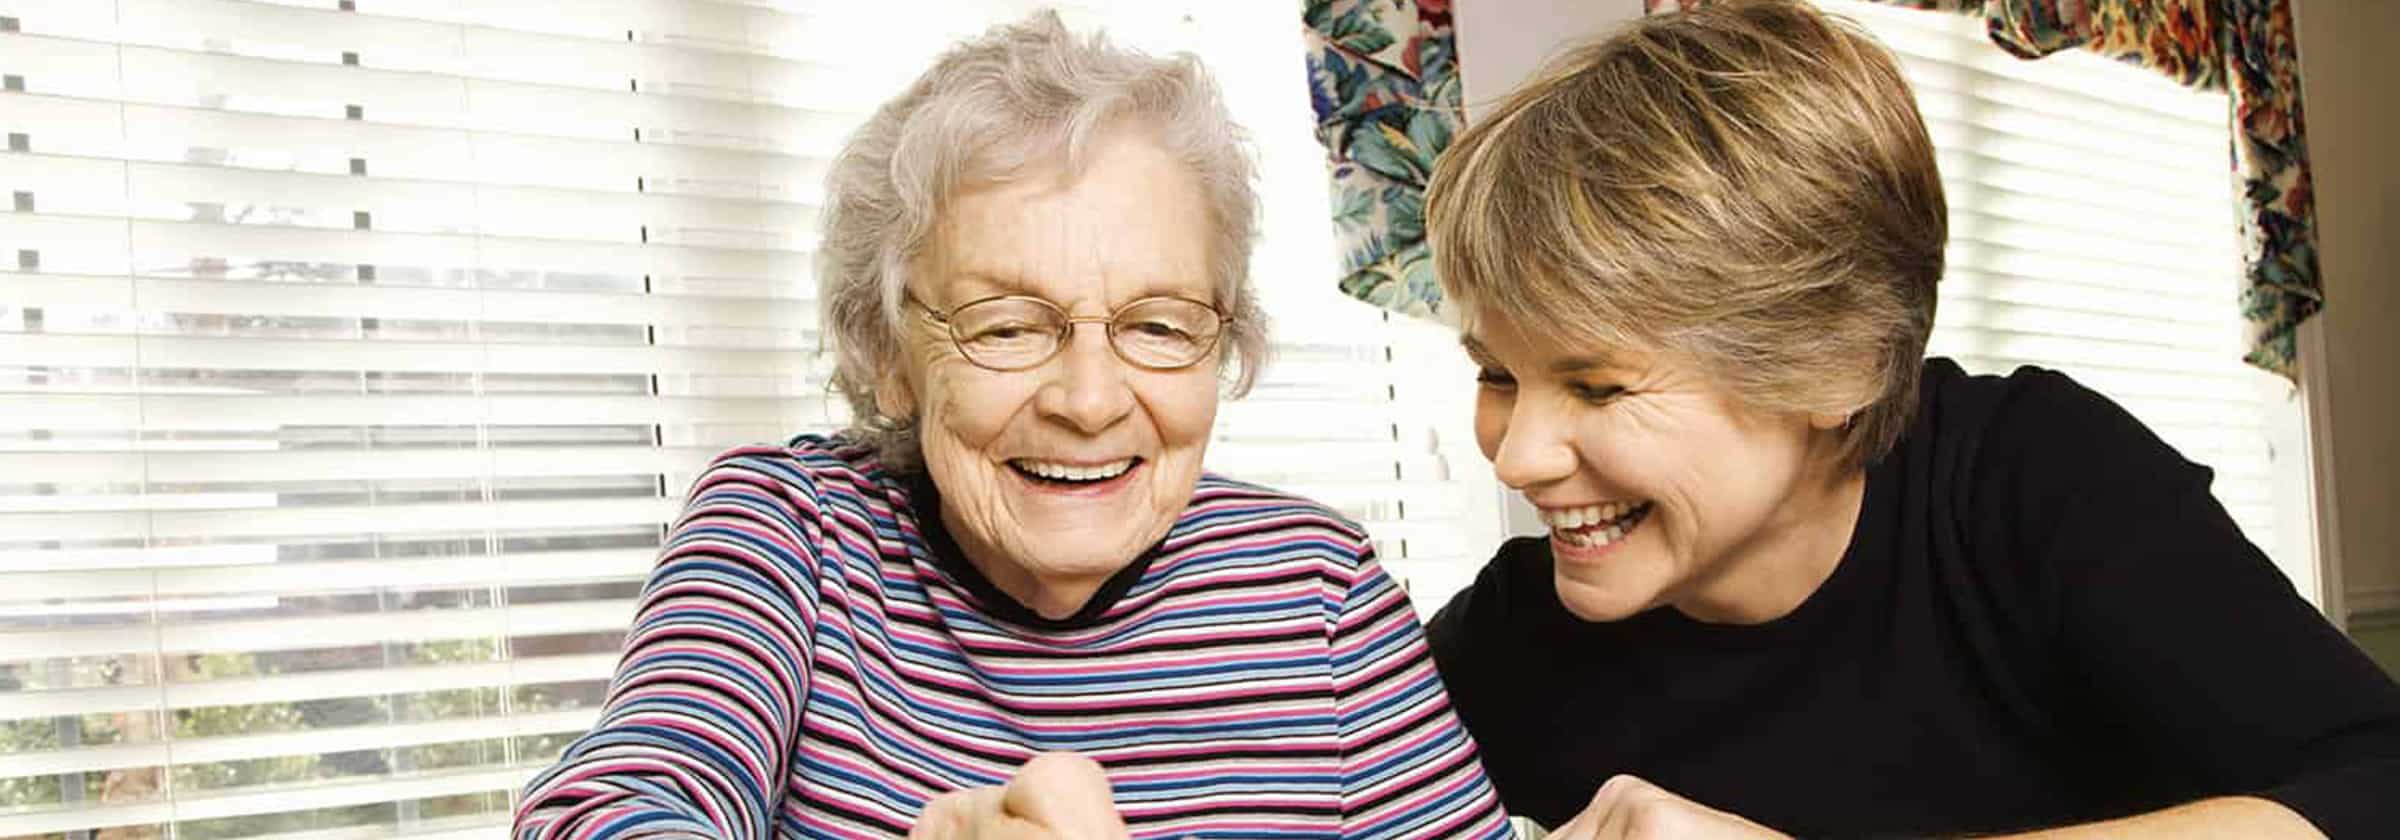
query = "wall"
x=1500 y=42
x=2348 y=66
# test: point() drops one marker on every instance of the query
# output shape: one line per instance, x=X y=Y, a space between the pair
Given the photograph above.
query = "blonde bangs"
x=1514 y=236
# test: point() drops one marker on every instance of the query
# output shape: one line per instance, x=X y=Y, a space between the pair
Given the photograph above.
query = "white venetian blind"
x=352 y=355
x=2092 y=231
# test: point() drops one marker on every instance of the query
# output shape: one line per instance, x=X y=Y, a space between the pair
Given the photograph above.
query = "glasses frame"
x=1108 y=323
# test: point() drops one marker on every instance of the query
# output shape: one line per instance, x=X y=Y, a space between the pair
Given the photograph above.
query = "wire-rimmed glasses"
x=1016 y=332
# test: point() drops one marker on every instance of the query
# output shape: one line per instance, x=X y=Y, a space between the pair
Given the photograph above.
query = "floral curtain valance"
x=1384 y=80
x=2243 y=47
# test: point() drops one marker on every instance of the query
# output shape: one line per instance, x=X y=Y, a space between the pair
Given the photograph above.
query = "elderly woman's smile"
x=1072 y=477
x=1066 y=428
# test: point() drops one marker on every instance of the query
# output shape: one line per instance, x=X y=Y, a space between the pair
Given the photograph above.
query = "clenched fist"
x=1628 y=808
x=1056 y=796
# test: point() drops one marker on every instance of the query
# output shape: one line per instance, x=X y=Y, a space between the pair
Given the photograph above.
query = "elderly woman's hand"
x=1628 y=808
x=1056 y=796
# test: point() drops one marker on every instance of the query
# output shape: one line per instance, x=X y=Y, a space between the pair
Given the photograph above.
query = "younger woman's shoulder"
x=1511 y=593
x=2037 y=423
x=2030 y=395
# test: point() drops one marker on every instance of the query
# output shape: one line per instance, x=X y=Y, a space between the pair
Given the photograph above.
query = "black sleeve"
x=1477 y=638
x=2175 y=629
x=1461 y=636
x=1479 y=645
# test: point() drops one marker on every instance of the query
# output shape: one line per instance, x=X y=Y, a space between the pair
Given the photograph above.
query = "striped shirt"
x=813 y=658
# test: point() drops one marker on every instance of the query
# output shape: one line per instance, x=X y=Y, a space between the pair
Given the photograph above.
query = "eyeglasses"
x=1014 y=332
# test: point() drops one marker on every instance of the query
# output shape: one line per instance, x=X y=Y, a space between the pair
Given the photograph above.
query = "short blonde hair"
x=1024 y=98
x=1746 y=186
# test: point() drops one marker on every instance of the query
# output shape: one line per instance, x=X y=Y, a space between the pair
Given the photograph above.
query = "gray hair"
x=1016 y=100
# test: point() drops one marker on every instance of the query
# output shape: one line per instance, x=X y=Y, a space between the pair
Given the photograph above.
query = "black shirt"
x=2042 y=618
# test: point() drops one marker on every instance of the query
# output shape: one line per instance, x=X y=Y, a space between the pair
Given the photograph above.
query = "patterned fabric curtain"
x=1384 y=79
x=2244 y=47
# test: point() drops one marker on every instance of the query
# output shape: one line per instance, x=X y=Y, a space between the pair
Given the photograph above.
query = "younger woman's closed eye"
x=1596 y=394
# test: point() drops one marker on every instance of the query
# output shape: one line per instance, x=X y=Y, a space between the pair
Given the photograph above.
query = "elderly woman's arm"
x=1408 y=768
x=701 y=716
x=2179 y=643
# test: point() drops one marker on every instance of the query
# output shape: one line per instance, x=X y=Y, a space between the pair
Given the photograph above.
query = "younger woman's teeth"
x=1595 y=525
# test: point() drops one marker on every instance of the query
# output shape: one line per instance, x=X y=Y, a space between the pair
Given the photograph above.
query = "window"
x=2092 y=231
x=354 y=353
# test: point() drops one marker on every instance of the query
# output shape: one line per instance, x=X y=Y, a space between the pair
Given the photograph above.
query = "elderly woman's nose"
x=1087 y=387
x=1534 y=449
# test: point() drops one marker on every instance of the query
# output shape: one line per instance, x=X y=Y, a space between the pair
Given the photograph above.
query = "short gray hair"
x=1022 y=96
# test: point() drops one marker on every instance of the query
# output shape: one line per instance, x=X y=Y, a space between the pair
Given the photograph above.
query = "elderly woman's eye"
x=1159 y=329
x=1006 y=331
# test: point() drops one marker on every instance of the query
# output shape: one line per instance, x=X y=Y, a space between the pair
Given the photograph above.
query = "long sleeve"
x=2180 y=637
x=1408 y=769
x=701 y=717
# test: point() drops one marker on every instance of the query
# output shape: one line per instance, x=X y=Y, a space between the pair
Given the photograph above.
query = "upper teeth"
x=1070 y=472
x=1567 y=519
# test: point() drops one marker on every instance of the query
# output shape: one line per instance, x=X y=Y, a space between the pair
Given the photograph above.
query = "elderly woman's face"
x=1657 y=487
x=1055 y=477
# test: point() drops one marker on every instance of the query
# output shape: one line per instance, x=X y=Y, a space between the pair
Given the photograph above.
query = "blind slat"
x=350 y=301
x=175 y=192
x=289 y=798
x=324 y=631
x=298 y=688
x=211 y=519
x=397 y=356
x=799 y=109
x=96 y=245
x=181 y=411
x=243 y=748
x=268 y=575
x=170 y=134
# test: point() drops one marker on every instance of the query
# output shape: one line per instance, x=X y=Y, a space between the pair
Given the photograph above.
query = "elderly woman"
x=1798 y=577
x=1034 y=267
